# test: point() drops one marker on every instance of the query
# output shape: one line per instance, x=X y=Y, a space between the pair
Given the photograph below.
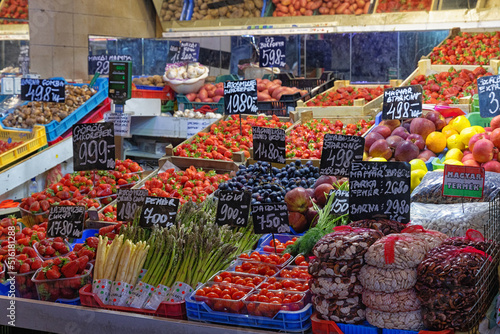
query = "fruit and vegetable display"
x=251 y=8
x=305 y=141
x=171 y=10
x=150 y=81
x=449 y=86
x=179 y=72
x=6 y=146
x=345 y=96
x=191 y=113
x=26 y=116
x=14 y=9
x=224 y=138
x=467 y=49
x=387 y=6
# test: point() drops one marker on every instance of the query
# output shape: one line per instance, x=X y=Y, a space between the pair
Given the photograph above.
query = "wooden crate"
x=359 y=109
x=426 y=68
x=434 y=6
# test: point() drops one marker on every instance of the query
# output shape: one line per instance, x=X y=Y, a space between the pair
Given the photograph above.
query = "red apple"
x=492 y=166
x=425 y=155
x=436 y=118
x=422 y=126
x=380 y=148
x=297 y=221
x=417 y=140
x=371 y=138
x=401 y=132
x=312 y=217
x=467 y=157
x=495 y=123
x=297 y=200
x=393 y=142
x=483 y=150
x=321 y=193
x=391 y=123
x=325 y=179
x=495 y=137
x=385 y=131
x=406 y=151
x=475 y=138
x=471 y=163
x=488 y=129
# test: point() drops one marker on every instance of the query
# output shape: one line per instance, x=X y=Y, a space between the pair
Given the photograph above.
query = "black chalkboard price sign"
x=66 y=221
x=159 y=211
x=240 y=97
x=100 y=63
x=94 y=146
x=340 y=205
x=272 y=51
x=338 y=153
x=128 y=202
x=43 y=90
x=269 y=144
x=402 y=102
x=173 y=52
x=270 y=218
x=489 y=96
x=189 y=51
x=379 y=190
x=233 y=208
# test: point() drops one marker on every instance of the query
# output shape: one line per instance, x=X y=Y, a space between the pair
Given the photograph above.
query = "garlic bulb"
x=172 y=73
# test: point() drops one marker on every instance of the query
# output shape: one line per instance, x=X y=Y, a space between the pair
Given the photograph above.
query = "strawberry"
x=92 y=242
x=37 y=263
x=106 y=229
x=52 y=272
x=70 y=269
x=47 y=263
x=57 y=261
x=86 y=251
x=49 y=251
x=82 y=263
x=77 y=247
x=67 y=293
x=40 y=275
x=60 y=247
x=29 y=251
x=71 y=255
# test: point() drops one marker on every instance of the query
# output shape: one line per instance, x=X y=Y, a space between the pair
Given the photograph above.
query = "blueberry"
x=303 y=183
x=316 y=175
x=242 y=167
x=267 y=200
x=298 y=163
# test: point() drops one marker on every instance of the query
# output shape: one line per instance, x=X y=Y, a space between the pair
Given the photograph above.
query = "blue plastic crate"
x=55 y=129
x=75 y=301
x=397 y=331
x=297 y=321
x=86 y=234
x=265 y=240
x=365 y=328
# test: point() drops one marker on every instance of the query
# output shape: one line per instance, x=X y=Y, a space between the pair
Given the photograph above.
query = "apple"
x=488 y=129
x=325 y=179
x=471 y=163
x=393 y=141
x=483 y=150
x=371 y=138
x=385 y=131
x=417 y=140
x=495 y=123
x=321 y=193
x=312 y=216
x=401 y=132
x=298 y=221
x=391 y=123
x=495 y=137
x=492 y=166
x=406 y=151
x=467 y=157
x=422 y=126
x=425 y=155
x=297 y=200
x=310 y=192
x=406 y=124
x=475 y=138
x=380 y=148
x=436 y=118
x=340 y=182
x=416 y=177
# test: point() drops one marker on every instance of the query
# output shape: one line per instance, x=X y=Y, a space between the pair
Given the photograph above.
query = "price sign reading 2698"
x=402 y=102
x=240 y=97
x=272 y=51
x=489 y=95
x=93 y=146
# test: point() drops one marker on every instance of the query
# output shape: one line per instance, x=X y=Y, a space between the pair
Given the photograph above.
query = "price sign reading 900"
x=270 y=218
x=402 y=102
x=272 y=51
x=233 y=208
x=43 y=90
x=66 y=221
x=240 y=97
x=93 y=146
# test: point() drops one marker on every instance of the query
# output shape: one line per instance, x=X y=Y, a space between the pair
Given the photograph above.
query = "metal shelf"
x=60 y=318
x=142 y=154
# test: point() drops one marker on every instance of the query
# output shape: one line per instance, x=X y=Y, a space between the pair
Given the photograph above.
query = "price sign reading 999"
x=93 y=146
x=240 y=97
x=272 y=51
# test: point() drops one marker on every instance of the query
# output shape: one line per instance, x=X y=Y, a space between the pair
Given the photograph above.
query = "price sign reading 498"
x=240 y=97
x=48 y=90
x=402 y=102
x=66 y=221
x=272 y=51
x=94 y=146
x=489 y=96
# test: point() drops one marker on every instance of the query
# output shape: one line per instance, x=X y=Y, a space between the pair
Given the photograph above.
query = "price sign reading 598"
x=272 y=51
x=94 y=146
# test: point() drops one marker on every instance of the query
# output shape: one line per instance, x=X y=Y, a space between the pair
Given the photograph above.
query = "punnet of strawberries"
x=88 y=248
x=345 y=96
x=53 y=247
x=62 y=278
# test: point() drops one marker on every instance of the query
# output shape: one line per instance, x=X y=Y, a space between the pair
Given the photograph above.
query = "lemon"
x=448 y=131
x=454 y=154
x=453 y=162
x=417 y=164
x=466 y=134
x=378 y=159
x=455 y=141
x=436 y=142
x=459 y=123
x=479 y=129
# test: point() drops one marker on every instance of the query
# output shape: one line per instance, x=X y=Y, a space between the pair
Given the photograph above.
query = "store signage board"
x=100 y=63
x=240 y=97
x=269 y=144
x=272 y=51
x=173 y=52
x=66 y=221
x=340 y=205
x=233 y=208
x=463 y=181
x=121 y=122
x=379 y=190
x=46 y=90
x=489 y=96
x=338 y=152
x=189 y=51
x=128 y=201
x=159 y=211
x=270 y=218
x=93 y=146
x=120 y=81
x=402 y=102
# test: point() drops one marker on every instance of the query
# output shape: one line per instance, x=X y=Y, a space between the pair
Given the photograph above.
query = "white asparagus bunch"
x=121 y=260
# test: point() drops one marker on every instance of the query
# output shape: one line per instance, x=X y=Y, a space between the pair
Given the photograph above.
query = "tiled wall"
x=59 y=31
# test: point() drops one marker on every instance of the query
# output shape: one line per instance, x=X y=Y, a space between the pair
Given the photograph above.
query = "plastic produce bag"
x=446 y=298
x=387 y=280
x=401 y=251
x=339 y=268
x=338 y=287
x=349 y=311
x=431 y=238
x=401 y=301
x=451 y=219
x=430 y=189
x=473 y=238
x=386 y=226
x=411 y=321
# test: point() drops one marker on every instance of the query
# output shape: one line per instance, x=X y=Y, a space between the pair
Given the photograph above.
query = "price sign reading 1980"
x=93 y=146
x=128 y=201
x=270 y=218
x=48 y=90
x=272 y=51
x=66 y=221
x=489 y=95
x=240 y=97
x=402 y=102
x=269 y=144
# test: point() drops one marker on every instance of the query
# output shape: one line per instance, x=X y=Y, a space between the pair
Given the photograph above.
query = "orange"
x=449 y=131
x=436 y=142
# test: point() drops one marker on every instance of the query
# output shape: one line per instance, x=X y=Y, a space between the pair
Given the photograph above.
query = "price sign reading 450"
x=402 y=102
x=272 y=51
x=240 y=97
x=489 y=95
x=269 y=144
x=233 y=208
x=128 y=202
x=270 y=218
x=159 y=211
x=66 y=221
x=48 y=90
x=94 y=146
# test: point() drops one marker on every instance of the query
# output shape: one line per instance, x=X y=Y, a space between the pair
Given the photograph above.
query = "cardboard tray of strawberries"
x=172 y=310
